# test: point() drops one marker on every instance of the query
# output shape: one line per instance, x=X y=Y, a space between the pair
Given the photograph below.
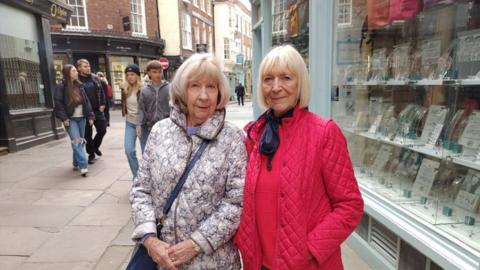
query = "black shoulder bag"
x=140 y=259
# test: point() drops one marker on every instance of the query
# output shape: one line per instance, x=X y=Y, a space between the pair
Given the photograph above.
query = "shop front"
x=401 y=78
x=26 y=72
x=108 y=54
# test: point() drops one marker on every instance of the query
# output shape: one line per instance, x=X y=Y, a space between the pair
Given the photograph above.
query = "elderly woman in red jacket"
x=301 y=198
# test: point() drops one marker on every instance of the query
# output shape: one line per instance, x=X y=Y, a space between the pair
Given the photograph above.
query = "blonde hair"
x=128 y=89
x=288 y=58
x=198 y=66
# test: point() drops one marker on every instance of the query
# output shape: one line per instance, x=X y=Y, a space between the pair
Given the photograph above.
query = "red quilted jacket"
x=319 y=202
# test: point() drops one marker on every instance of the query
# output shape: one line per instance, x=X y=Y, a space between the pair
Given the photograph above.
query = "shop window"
x=138 y=17
x=78 y=19
x=344 y=14
x=226 y=49
x=279 y=14
x=59 y=60
x=117 y=68
x=187 y=32
x=20 y=65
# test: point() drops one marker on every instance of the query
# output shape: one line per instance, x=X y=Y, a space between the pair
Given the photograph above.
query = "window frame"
x=227 y=49
x=344 y=5
x=75 y=12
x=187 y=32
x=143 y=18
x=281 y=11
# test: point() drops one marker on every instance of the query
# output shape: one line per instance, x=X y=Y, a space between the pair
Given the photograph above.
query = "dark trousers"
x=94 y=143
x=240 y=98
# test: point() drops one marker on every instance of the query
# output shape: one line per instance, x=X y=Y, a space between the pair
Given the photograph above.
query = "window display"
x=413 y=122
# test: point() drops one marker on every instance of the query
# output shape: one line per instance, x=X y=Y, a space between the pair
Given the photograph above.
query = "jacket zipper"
x=177 y=200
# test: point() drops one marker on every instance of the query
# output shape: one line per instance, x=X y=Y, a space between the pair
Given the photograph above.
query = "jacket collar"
x=150 y=84
x=255 y=129
x=208 y=130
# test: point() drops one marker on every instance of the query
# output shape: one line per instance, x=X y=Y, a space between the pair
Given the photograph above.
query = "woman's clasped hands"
x=167 y=256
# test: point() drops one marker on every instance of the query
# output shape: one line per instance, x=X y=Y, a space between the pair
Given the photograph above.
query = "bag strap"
x=184 y=177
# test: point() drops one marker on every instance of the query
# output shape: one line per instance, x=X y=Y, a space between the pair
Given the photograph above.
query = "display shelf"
x=469 y=234
x=419 y=147
x=423 y=82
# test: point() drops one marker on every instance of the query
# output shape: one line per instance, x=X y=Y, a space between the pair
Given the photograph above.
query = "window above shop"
x=209 y=7
x=78 y=19
x=138 y=18
x=226 y=49
x=186 y=32
x=344 y=14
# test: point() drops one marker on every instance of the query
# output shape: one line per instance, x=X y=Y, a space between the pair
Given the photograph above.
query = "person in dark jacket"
x=153 y=103
x=240 y=91
x=107 y=90
x=73 y=108
x=96 y=94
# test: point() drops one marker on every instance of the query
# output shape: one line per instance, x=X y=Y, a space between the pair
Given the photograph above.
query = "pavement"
x=52 y=218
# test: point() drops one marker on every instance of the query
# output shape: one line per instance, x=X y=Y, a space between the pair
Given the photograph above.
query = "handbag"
x=140 y=259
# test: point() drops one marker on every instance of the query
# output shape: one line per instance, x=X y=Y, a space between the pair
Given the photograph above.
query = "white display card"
x=469 y=195
x=382 y=158
x=471 y=134
x=434 y=124
x=425 y=177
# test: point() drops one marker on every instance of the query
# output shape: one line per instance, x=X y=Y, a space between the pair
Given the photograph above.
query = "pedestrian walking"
x=240 y=91
x=303 y=198
x=197 y=147
x=153 y=103
x=108 y=92
x=73 y=108
x=96 y=94
x=130 y=97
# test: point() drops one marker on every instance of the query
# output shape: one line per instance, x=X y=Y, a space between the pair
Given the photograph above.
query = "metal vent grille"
x=385 y=242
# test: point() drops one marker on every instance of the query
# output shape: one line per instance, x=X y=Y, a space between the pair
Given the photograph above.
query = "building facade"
x=233 y=40
x=27 y=78
x=188 y=27
x=401 y=79
x=110 y=34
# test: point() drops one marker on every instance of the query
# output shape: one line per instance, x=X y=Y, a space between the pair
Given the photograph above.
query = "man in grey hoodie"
x=153 y=104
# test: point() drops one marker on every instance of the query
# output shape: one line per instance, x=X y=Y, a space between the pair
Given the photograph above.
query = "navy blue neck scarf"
x=270 y=139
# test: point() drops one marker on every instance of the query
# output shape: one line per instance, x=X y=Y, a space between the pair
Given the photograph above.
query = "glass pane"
x=21 y=69
x=406 y=76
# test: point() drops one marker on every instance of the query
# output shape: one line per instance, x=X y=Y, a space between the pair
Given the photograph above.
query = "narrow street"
x=52 y=218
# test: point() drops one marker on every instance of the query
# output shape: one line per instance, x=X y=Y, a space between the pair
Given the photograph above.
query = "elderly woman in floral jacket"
x=197 y=233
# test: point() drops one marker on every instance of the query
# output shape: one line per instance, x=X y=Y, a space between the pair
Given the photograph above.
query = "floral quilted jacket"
x=209 y=206
x=319 y=203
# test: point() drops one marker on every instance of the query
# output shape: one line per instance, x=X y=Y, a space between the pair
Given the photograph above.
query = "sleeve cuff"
x=202 y=242
x=144 y=229
x=145 y=237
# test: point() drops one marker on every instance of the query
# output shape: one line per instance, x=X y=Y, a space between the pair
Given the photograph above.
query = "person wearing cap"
x=153 y=103
x=130 y=97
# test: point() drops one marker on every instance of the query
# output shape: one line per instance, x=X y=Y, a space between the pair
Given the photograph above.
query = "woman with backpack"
x=73 y=108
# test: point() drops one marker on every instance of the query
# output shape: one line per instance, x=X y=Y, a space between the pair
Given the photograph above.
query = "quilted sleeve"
x=220 y=227
x=345 y=198
x=141 y=193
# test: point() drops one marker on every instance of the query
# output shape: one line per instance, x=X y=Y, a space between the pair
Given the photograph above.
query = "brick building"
x=110 y=34
x=188 y=27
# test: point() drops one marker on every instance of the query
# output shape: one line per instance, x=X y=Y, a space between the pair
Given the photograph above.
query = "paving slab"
x=103 y=215
x=20 y=196
x=37 y=215
x=11 y=262
x=75 y=181
x=68 y=197
x=124 y=237
x=21 y=241
x=57 y=266
x=76 y=244
x=113 y=258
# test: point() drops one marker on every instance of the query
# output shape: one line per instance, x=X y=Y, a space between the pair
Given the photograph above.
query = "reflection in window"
x=20 y=63
x=344 y=15
x=78 y=19
x=138 y=17
x=279 y=17
x=226 y=49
